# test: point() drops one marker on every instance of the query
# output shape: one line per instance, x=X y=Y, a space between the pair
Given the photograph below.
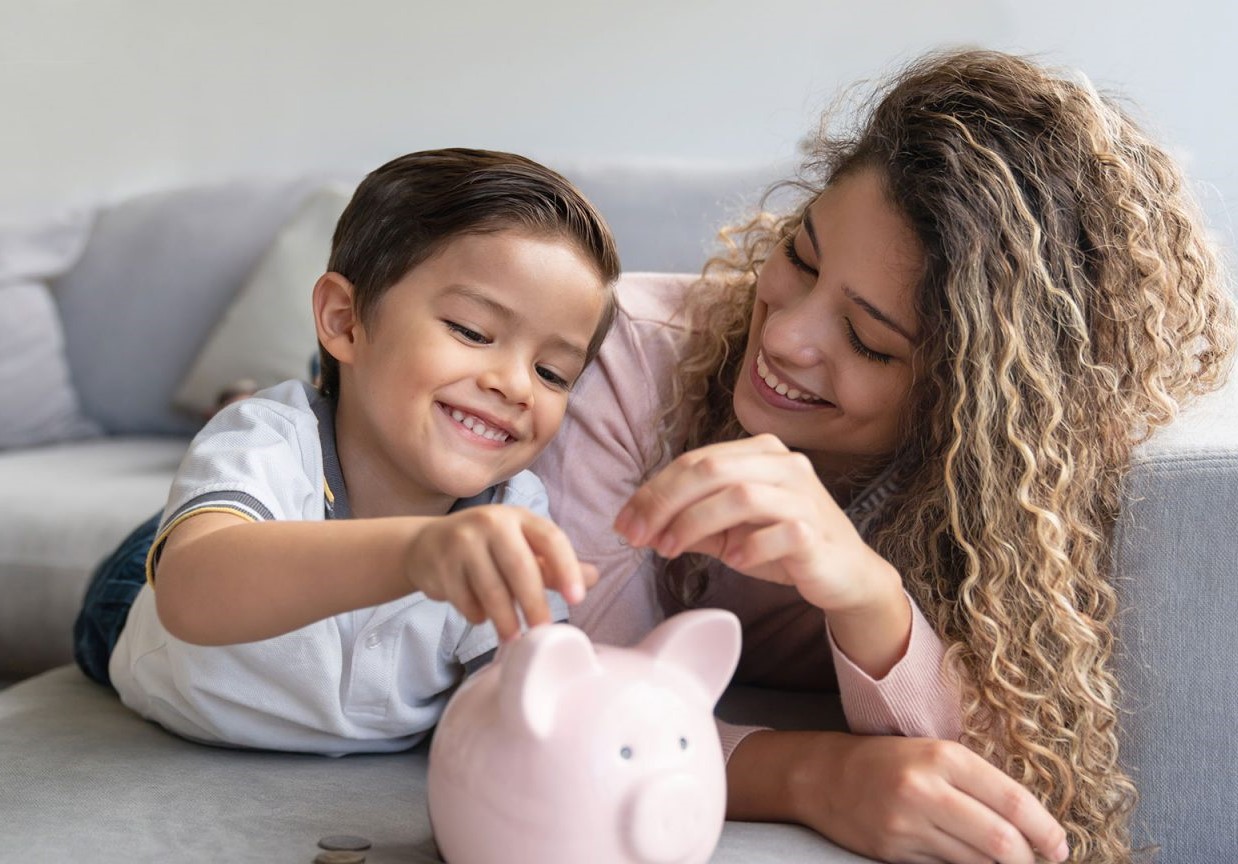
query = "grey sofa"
x=85 y=780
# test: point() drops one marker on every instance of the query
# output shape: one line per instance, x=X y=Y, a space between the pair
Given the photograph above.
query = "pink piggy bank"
x=563 y=753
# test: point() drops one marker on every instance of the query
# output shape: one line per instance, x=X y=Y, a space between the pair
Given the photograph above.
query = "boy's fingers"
x=590 y=574
x=491 y=591
x=466 y=602
x=560 y=569
x=519 y=568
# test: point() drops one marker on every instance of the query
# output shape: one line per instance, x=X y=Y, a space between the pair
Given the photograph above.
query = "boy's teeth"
x=477 y=426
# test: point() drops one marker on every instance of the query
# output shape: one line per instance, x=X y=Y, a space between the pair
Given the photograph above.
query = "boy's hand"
x=487 y=561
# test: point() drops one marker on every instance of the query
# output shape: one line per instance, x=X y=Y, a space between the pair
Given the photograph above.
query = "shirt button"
x=373 y=640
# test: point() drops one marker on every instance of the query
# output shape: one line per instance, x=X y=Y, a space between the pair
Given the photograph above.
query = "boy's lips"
x=480 y=423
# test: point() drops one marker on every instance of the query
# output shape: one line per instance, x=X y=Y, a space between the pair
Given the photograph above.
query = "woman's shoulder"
x=653 y=298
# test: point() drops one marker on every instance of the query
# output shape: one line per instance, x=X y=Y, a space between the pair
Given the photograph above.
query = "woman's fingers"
x=1015 y=806
x=693 y=474
x=978 y=828
x=700 y=473
x=711 y=516
x=949 y=848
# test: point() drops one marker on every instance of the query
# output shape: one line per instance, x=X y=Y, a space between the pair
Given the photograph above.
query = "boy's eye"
x=788 y=247
x=467 y=333
x=553 y=378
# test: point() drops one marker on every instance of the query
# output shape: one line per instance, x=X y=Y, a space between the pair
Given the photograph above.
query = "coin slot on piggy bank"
x=561 y=751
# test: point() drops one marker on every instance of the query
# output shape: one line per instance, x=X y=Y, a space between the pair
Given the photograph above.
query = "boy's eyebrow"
x=511 y=316
x=850 y=292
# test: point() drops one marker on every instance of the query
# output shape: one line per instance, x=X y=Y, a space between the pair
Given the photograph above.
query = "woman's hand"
x=761 y=509
x=895 y=799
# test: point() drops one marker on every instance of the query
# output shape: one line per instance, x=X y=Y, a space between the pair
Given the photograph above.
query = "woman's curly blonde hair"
x=1071 y=302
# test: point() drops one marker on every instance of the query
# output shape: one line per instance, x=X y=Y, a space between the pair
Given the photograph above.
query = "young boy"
x=294 y=589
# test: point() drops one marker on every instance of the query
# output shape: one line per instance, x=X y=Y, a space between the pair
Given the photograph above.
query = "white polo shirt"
x=376 y=679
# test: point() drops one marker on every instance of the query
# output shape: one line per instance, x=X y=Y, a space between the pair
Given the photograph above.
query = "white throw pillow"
x=267 y=334
x=38 y=403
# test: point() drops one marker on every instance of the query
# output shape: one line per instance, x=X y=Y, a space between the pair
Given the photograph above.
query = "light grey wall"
x=103 y=98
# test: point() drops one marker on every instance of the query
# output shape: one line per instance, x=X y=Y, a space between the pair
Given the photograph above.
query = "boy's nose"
x=511 y=381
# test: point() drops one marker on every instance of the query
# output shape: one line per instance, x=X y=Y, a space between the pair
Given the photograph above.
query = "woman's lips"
x=781 y=393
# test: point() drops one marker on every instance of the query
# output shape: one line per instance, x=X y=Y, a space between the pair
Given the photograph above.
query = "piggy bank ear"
x=537 y=669
x=704 y=641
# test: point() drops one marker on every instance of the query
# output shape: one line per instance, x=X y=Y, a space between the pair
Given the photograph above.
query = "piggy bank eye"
x=683 y=743
x=625 y=752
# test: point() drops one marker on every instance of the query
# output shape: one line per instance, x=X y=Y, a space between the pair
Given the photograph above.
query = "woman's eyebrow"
x=877 y=314
x=811 y=230
x=855 y=298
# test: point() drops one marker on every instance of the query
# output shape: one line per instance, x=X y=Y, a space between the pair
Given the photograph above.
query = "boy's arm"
x=222 y=579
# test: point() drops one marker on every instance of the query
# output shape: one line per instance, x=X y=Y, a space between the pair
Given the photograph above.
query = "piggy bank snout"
x=668 y=819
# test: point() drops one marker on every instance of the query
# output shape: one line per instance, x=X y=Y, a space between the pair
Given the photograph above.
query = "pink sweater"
x=597 y=461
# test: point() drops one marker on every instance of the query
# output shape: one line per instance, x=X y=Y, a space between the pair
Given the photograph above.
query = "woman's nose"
x=794 y=333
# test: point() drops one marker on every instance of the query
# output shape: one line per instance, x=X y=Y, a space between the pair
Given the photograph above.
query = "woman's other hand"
x=894 y=799
x=761 y=509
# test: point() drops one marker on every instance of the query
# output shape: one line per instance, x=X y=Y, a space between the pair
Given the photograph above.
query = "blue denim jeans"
x=112 y=590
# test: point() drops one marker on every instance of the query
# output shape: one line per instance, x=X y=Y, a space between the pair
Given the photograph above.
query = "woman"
x=930 y=376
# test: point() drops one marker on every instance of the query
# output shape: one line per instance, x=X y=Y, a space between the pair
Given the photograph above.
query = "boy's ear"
x=335 y=316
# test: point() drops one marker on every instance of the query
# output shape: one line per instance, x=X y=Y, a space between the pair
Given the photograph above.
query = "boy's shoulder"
x=289 y=405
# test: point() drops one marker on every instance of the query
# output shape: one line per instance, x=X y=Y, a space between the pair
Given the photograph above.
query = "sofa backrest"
x=156 y=274
x=160 y=270
x=1176 y=566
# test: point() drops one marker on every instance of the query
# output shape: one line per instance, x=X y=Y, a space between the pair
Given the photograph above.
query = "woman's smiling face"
x=828 y=366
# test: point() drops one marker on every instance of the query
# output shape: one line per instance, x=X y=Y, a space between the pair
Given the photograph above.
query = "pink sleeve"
x=916 y=698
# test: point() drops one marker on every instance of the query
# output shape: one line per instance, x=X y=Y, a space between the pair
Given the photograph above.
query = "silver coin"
x=339 y=856
x=347 y=842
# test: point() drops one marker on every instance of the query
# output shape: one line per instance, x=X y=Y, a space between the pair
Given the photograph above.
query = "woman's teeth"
x=781 y=387
x=477 y=426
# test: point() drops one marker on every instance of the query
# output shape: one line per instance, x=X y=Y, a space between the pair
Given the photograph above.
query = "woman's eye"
x=467 y=333
x=788 y=247
x=553 y=378
x=862 y=349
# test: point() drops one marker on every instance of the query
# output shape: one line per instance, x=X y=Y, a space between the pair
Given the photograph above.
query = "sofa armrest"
x=1176 y=559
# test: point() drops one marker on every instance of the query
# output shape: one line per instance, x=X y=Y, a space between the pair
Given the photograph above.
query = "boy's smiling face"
x=461 y=376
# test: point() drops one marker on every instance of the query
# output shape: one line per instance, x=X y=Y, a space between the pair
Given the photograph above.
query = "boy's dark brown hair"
x=407 y=210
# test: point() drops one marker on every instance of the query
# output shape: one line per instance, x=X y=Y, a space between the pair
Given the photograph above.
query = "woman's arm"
x=891 y=798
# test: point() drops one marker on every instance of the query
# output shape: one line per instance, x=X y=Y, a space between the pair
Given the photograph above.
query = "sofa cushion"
x=267 y=335
x=157 y=273
x=66 y=507
x=40 y=404
x=87 y=780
